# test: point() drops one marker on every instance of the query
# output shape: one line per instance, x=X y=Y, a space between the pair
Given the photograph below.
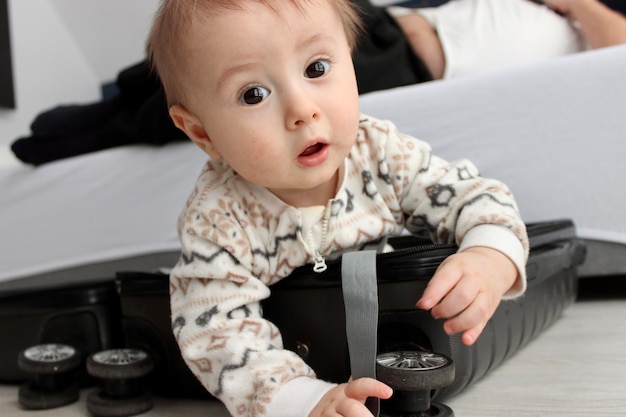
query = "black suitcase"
x=309 y=310
x=86 y=317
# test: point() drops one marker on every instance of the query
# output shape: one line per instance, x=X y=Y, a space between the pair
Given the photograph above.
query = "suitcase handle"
x=360 y=294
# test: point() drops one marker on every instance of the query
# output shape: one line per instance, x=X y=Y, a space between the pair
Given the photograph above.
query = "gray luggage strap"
x=360 y=294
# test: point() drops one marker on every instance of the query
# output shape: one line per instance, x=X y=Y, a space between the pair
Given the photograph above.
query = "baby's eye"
x=317 y=69
x=254 y=95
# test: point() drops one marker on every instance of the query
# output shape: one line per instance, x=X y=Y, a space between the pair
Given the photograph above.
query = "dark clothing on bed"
x=137 y=114
x=383 y=58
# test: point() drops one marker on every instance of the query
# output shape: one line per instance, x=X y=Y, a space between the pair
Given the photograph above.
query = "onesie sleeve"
x=504 y=240
x=444 y=200
x=215 y=295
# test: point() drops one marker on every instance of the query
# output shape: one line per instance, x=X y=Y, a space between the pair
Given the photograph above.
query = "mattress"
x=84 y=218
x=553 y=131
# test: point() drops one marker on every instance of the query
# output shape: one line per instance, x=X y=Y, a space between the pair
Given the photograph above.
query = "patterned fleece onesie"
x=238 y=239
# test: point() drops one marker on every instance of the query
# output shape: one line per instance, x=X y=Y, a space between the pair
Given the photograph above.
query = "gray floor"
x=577 y=367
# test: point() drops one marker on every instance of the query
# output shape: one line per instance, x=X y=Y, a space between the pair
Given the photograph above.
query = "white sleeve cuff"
x=504 y=240
x=298 y=397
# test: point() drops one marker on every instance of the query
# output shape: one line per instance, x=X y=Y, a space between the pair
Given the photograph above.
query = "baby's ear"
x=188 y=123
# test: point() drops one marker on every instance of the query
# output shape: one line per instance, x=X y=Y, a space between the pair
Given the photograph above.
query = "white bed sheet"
x=555 y=132
x=99 y=207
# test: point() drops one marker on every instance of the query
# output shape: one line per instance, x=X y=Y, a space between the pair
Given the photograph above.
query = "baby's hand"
x=348 y=400
x=466 y=290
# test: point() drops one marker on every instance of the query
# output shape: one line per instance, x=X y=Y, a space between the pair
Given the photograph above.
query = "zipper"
x=420 y=248
x=320 y=262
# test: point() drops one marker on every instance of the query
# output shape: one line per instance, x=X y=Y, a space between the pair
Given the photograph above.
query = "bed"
x=554 y=131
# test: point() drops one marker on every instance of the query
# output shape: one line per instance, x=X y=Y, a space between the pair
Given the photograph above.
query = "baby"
x=266 y=88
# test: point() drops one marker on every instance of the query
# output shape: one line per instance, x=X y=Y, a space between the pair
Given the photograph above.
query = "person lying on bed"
x=297 y=175
x=468 y=36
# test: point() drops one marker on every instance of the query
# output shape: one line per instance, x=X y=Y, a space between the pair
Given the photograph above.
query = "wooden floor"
x=577 y=367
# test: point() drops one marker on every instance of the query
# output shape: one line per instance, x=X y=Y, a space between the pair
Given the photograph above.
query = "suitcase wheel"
x=53 y=368
x=413 y=375
x=123 y=391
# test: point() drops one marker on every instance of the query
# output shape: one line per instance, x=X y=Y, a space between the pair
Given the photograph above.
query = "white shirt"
x=478 y=35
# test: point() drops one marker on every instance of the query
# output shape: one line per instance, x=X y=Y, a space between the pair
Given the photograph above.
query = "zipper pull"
x=320 y=263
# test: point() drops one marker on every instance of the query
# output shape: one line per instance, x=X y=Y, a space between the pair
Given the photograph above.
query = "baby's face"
x=275 y=96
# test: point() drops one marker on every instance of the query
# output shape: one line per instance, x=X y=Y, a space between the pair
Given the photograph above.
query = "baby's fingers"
x=445 y=279
x=348 y=400
x=469 y=336
x=471 y=321
x=361 y=388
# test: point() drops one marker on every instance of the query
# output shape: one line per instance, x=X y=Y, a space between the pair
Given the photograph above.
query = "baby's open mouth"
x=312 y=149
